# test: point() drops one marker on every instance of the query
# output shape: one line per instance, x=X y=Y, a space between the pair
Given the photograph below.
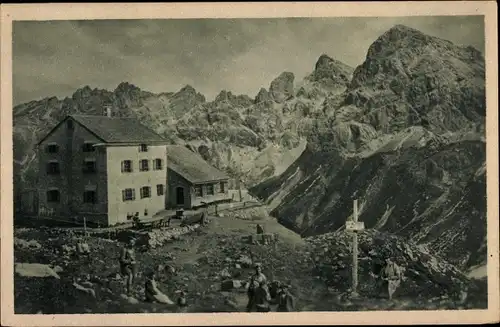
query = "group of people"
x=259 y=296
x=128 y=268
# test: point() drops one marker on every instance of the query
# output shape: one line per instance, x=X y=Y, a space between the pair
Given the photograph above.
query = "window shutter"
x=133 y=194
x=123 y=195
x=123 y=166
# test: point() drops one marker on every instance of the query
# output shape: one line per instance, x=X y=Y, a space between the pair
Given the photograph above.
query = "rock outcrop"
x=424 y=275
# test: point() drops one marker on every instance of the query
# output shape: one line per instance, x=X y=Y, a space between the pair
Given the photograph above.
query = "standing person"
x=259 y=298
x=391 y=274
x=262 y=298
x=257 y=279
x=152 y=293
x=285 y=300
x=260 y=230
x=128 y=264
x=258 y=275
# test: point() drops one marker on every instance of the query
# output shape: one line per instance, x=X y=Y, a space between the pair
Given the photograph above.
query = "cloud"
x=54 y=58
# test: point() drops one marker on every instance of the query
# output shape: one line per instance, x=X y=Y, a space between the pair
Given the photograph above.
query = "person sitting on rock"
x=152 y=293
x=128 y=264
x=181 y=301
x=285 y=300
x=391 y=274
x=82 y=247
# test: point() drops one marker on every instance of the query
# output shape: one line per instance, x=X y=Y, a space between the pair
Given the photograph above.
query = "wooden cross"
x=354 y=226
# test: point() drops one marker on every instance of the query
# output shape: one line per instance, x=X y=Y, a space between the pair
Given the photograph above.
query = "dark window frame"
x=88 y=147
x=143 y=167
x=160 y=189
x=210 y=189
x=52 y=148
x=50 y=196
x=144 y=194
x=89 y=169
x=222 y=187
x=158 y=164
x=93 y=198
x=124 y=170
x=53 y=168
x=200 y=188
x=143 y=148
x=125 y=196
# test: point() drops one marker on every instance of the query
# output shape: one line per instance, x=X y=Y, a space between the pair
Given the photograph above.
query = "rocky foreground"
x=212 y=264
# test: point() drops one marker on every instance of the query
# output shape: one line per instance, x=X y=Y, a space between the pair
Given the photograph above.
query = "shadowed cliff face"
x=406 y=139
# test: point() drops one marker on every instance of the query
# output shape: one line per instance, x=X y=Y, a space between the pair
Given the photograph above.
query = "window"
x=53 y=168
x=126 y=166
x=145 y=192
x=90 y=197
x=53 y=196
x=157 y=164
x=128 y=194
x=144 y=165
x=159 y=189
x=143 y=148
x=52 y=148
x=88 y=147
x=89 y=166
x=210 y=189
x=198 y=191
x=222 y=188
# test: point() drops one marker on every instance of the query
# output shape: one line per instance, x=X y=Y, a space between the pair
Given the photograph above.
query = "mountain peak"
x=324 y=61
x=126 y=86
x=189 y=94
x=330 y=73
x=282 y=87
x=188 y=88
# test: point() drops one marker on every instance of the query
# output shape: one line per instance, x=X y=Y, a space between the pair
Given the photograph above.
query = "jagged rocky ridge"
x=252 y=137
x=407 y=139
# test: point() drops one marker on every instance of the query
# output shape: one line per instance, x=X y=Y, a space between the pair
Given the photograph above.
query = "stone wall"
x=148 y=239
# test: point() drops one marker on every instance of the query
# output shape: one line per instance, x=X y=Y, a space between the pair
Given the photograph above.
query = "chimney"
x=107 y=111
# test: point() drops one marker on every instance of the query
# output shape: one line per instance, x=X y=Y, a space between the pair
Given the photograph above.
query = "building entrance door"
x=180 y=196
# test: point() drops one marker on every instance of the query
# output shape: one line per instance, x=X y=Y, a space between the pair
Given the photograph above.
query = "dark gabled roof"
x=192 y=166
x=115 y=129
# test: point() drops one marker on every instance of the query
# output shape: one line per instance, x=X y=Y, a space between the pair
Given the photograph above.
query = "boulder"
x=23 y=244
x=86 y=290
x=245 y=261
x=58 y=269
x=225 y=273
x=231 y=284
x=34 y=270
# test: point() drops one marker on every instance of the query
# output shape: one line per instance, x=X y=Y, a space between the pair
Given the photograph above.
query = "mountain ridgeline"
x=404 y=133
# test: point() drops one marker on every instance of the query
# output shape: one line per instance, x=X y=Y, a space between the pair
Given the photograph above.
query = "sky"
x=55 y=58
